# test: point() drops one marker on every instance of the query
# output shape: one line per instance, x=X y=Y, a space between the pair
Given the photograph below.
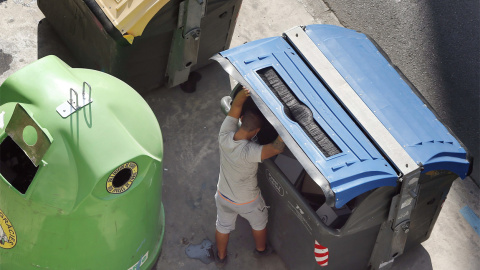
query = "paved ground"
x=190 y=124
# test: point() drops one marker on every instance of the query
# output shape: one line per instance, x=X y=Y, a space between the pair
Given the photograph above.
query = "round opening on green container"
x=30 y=135
x=122 y=177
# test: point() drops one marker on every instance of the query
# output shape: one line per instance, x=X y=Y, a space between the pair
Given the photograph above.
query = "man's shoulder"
x=229 y=125
x=230 y=120
x=226 y=138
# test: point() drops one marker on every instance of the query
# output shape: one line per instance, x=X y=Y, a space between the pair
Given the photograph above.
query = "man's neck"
x=241 y=135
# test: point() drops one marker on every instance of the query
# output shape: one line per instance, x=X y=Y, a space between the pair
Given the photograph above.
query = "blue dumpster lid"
x=390 y=96
x=347 y=160
x=343 y=154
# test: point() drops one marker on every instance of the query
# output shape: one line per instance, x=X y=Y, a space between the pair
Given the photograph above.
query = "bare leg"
x=260 y=238
x=222 y=242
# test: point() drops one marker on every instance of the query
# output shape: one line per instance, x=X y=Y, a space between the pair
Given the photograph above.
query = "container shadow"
x=415 y=258
x=456 y=36
x=49 y=43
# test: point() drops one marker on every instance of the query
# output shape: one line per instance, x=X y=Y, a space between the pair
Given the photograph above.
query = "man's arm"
x=237 y=104
x=273 y=149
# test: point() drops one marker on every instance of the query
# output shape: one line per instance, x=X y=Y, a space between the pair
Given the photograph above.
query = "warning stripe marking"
x=324 y=262
x=321 y=259
x=323 y=250
x=321 y=254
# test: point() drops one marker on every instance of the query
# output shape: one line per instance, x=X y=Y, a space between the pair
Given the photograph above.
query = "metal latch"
x=186 y=41
x=72 y=105
x=393 y=233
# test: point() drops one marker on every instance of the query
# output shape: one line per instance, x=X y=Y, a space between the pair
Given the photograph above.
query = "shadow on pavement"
x=456 y=32
x=415 y=258
x=49 y=43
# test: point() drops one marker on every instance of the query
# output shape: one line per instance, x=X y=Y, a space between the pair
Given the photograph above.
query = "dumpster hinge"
x=186 y=41
x=393 y=233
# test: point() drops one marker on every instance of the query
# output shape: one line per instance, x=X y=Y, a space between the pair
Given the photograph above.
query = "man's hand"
x=245 y=91
x=237 y=104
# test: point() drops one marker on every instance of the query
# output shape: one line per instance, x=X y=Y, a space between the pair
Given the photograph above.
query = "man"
x=238 y=193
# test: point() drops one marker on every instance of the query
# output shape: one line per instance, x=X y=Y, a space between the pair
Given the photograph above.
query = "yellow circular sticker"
x=8 y=237
x=121 y=179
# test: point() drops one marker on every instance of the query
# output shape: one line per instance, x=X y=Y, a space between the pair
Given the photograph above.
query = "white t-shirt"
x=238 y=164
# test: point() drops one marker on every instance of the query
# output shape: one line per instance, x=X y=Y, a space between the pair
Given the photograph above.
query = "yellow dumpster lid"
x=131 y=17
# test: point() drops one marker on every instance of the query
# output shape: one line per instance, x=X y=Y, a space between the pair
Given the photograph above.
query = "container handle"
x=74 y=105
x=89 y=91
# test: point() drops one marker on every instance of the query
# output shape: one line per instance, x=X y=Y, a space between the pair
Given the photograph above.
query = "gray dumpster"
x=368 y=164
x=145 y=43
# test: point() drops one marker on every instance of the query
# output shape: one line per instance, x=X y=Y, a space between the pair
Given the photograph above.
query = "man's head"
x=251 y=122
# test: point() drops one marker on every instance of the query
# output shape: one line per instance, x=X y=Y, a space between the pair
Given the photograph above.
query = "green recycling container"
x=80 y=171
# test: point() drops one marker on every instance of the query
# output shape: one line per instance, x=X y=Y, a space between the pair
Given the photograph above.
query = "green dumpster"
x=80 y=171
x=145 y=43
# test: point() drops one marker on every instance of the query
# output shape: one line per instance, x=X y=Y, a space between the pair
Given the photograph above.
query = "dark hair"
x=251 y=121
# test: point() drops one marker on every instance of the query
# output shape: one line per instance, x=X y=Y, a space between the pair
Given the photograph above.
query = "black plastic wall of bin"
x=142 y=64
x=217 y=29
x=83 y=34
x=434 y=188
x=293 y=226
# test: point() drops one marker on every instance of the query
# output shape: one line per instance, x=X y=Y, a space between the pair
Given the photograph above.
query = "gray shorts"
x=255 y=212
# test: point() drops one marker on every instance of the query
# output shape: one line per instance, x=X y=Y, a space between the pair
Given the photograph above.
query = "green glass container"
x=80 y=171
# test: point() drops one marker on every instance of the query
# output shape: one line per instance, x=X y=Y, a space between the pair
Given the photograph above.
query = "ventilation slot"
x=298 y=112
x=15 y=166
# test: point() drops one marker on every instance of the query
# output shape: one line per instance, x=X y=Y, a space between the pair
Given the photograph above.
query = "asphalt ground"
x=190 y=124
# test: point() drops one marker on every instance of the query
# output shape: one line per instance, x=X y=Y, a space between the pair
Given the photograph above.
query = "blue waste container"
x=368 y=164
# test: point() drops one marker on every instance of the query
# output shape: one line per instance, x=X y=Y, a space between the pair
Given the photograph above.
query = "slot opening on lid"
x=299 y=112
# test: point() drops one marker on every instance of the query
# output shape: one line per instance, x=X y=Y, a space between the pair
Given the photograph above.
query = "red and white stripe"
x=321 y=254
